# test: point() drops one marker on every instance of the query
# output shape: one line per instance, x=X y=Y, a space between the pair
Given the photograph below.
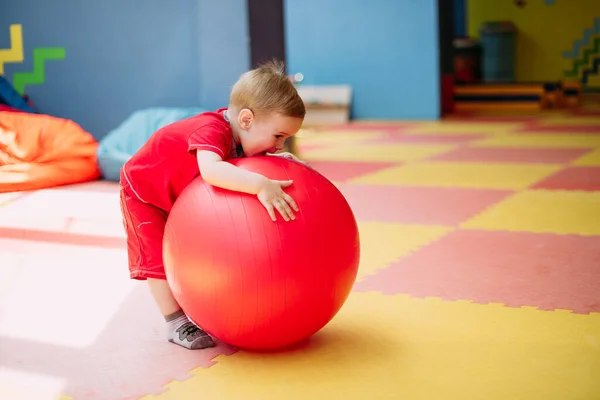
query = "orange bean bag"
x=41 y=151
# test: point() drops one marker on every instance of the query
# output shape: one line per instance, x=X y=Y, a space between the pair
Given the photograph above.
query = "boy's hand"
x=273 y=197
x=290 y=156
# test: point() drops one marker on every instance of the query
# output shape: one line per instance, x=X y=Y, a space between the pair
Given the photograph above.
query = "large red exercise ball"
x=254 y=283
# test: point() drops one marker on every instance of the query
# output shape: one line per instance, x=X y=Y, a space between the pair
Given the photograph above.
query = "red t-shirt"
x=166 y=163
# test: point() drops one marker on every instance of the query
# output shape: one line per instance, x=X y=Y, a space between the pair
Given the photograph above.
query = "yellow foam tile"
x=457 y=174
x=6 y=198
x=390 y=152
x=396 y=122
x=64 y=203
x=551 y=130
x=464 y=128
x=562 y=212
x=10 y=268
x=13 y=392
x=540 y=140
x=397 y=347
x=382 y=243
x=38 y=389
x=591 y=159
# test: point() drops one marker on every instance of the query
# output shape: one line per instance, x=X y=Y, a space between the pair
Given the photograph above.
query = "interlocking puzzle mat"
x=479 y=278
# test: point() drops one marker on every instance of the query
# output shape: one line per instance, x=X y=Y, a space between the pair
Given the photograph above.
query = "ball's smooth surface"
x=252 y=282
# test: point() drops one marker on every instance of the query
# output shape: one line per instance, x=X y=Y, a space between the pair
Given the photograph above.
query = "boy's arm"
x=227 y=176
x=219 y=173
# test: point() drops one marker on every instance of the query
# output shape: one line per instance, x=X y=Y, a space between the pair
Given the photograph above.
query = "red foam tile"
x=517 y=269
x=572 y=178
x=131 y=357
x=562 y=129
x=472 y=117
x=419 y=205
x=34 y=235
x=586 y=113
x=517 y=155
x=408 y=138
x=342 y=171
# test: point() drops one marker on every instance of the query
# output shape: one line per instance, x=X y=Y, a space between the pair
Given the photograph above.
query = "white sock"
x=182 y=331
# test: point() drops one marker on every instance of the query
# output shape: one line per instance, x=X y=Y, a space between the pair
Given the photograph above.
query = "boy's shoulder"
x=171 y=135
x=205 y=119
x=215 y=116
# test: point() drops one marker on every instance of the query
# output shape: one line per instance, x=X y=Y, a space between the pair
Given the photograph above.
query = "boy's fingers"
x=282 y=211
x=287 y=208
x=285 y=183
x=290 y=201
x=271 y=211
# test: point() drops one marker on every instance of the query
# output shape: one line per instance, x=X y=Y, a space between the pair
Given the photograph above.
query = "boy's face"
x=266 y=133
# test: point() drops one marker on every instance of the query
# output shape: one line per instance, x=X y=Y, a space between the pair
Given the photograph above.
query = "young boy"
x=264 y=110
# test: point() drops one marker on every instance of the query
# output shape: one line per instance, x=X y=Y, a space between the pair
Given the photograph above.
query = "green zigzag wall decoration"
x=38 y=75
x=584 y=59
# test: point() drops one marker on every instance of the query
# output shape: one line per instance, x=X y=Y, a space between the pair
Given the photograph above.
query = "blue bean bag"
x=125 y=140
x=10 y=97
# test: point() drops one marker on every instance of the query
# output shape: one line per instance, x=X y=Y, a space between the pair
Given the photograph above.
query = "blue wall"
x=224 y=48
x=125 y=55
x=460 y=18
x=387 y=50
x=122 y=56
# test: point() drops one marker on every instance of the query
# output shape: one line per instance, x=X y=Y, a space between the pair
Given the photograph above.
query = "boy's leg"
x=180 y=330
x=161 y=292
x=144 y=225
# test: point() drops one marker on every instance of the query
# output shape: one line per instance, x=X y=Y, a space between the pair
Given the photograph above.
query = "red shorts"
x=145 y=226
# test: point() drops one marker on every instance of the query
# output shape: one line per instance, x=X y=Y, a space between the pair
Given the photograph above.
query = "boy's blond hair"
x=267 y=89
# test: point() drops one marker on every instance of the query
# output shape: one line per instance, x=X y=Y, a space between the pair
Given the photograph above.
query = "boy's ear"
x=245 y=118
